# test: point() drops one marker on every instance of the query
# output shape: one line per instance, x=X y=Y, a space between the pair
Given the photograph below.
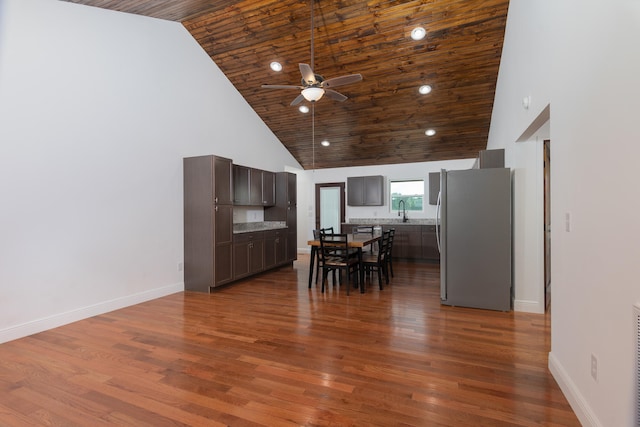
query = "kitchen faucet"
x=404 y=211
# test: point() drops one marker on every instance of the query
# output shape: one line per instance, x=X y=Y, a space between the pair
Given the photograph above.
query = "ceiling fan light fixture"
x=303 y=109
x=430 y=132
x=418 y=33
x=325 y=143
x=312 y=94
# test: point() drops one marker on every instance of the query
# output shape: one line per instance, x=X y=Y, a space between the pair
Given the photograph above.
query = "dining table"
x=354 y=240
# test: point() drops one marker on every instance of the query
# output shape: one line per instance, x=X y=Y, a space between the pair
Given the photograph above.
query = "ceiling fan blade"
x=307 y=74
x=335 y=95
x=298 y=100
x=342 y=80
x=281 y=87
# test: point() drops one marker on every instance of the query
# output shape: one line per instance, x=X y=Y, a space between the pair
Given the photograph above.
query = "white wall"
x=308 y=179
x=526 y=162
x=582 y=59
x=524 y=73
x=97 y=110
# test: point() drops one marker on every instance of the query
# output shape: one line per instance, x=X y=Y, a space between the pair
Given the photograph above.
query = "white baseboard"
x=60 y=319
x=582 y=410
x=528 y=306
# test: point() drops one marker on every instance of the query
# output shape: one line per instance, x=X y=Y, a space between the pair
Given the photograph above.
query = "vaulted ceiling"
x=384 y=119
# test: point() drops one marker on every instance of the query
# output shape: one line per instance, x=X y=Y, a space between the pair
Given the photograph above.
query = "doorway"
x=546 y=153
x=330 y=211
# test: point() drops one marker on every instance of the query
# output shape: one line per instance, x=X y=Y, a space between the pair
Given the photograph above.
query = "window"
x=412 y=192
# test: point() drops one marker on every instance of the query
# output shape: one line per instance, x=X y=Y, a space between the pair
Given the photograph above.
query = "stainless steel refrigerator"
x=474 y=238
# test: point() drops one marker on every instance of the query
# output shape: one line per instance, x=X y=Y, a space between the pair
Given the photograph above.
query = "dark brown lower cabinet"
x=407 y=243
x=275 y=248
x=256 y=256
x=292 y=246
x=248 y=254
x=430 y=250
x=222 y=258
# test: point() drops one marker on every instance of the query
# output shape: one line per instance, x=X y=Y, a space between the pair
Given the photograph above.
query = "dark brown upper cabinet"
x=365 y=190
x=253 y=187
x=268 y=188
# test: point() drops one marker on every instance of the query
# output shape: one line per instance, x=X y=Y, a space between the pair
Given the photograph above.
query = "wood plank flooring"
x=270 y=352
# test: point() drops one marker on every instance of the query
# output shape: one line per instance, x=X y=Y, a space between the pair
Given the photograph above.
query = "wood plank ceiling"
x=384 y=119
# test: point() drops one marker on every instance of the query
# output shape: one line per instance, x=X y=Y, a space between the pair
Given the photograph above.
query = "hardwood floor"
x=270 y=352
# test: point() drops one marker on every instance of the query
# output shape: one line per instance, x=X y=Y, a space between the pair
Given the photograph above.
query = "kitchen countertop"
x=248 y=227
x=391 y=221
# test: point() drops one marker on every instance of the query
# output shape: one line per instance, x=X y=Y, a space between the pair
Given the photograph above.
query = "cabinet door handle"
x=216 y=209
x=215 y=200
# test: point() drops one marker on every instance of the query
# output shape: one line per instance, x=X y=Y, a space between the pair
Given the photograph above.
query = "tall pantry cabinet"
x=285 y=209
x=208 y=222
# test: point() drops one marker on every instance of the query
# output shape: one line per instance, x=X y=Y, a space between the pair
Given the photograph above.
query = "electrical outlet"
x=180 y=266
x=594 y=367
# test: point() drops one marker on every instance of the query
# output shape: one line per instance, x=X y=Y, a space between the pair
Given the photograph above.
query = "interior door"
x=330 y=210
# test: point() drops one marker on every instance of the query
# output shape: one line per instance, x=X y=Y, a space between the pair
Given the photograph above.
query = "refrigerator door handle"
x=438 y=222
x=441 y=222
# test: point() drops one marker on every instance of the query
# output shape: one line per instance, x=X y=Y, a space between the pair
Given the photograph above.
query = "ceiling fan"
x=314 y=86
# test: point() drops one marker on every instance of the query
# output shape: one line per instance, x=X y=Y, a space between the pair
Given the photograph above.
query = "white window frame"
x=422 y=194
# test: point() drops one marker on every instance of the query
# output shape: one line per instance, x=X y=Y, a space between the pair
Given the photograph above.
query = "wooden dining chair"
x=316 y=236
x=327 y=230
x=318 y=260
x=377 y=263
x=334 y=256
x=364 y=229
x=389 y=256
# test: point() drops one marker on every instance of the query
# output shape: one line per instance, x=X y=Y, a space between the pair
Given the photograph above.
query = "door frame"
x=546 y=155
x=341 y=185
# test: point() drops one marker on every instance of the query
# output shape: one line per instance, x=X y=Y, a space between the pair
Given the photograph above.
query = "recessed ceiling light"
x=276 y=66
x=303 y=109
x=325 y=143
x=424 y=89
x=430 y=132
x=418 y=33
